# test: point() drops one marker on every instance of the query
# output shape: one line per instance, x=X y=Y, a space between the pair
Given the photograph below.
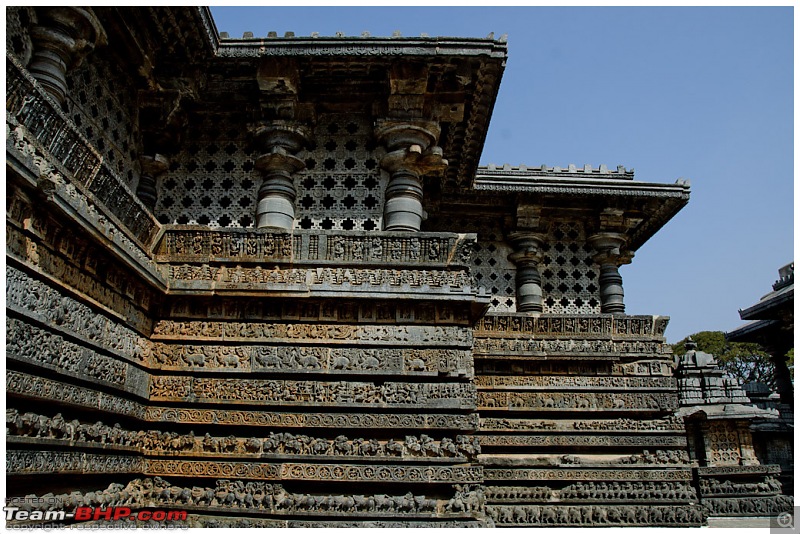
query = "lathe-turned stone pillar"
x=61 y=38
x=609 y=257
x=152 y=167
x=526 y=256
x=411 y=153
x=276 y=196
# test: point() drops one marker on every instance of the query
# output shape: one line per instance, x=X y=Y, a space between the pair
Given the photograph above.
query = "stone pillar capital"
x=412 y=153
x=155 y=164
x=527 y=247
x=152 y=167
x=527 y=255
x=61 y=38
x=289 y=135
x=404 y=133
x=610 y=256
x=608 y=248
x=280 y=140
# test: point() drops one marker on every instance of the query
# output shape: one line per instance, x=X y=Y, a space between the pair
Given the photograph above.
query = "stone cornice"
x=576 y=185
x=361 y=47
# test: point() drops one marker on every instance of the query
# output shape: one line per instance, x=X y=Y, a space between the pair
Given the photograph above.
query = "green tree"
x=745 y=361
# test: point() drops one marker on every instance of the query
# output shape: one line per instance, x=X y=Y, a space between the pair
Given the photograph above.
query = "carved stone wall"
x=576 y=422
x=322 y=372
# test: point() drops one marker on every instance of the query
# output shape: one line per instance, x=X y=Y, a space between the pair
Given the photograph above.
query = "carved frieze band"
x=504 y=400
x=669 y=424
x=714 y=487
x=569 y=382
x=294 y=358
x=21 y=211
x=734 y=470
x=355 y=50
x=390 y=474
x=276 y=419
x=571 y=348
x=318 y=280
x=188 y=331
x=597 y=515
x=645 y=327
x=77 y=278
x=311 y=393
x=602 y=492
x=48 y=306
x=192 y=245
x=324 y=310
x=36 y=387
x=258 y=498
x=580 y=473
x=33 y=428
x=749 y=506
x=20 y=462
x=581 y=441
x=30 y=344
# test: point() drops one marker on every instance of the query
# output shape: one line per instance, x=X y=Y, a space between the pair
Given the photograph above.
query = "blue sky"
x=676 y=92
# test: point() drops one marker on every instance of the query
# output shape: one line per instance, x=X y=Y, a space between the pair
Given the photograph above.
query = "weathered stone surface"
x=316 y=310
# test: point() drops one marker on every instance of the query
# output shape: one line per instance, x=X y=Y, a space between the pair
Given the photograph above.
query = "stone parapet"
x=191 y=244
x=38 y=121
x=584 y=326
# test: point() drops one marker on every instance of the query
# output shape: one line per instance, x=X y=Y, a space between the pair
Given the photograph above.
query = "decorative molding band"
x=389 y=474
x=670 y=424
x=265 y=392
x=277 y=419
x=639 y=515
x=280 y=333
x=38 y=388
x=547 y=401
x=582 y=441
x=577 y=382
x=580 y=473
x=600 y=326
x=187 y=244
x=20 y=462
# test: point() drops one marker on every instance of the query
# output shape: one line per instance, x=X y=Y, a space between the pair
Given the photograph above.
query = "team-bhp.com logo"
x=91 y=513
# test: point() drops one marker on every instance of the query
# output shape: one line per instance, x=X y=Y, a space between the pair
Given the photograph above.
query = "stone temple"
x=265 y=281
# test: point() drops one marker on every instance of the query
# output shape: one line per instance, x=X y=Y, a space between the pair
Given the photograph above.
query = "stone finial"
x=61 y=38
x=690 y=344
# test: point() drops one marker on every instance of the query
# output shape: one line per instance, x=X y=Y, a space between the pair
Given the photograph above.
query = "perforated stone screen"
x=213 y=181
x=17 y=40
x=342 y=187
x=102 y=102
x=491 y=268
x=569 y=275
